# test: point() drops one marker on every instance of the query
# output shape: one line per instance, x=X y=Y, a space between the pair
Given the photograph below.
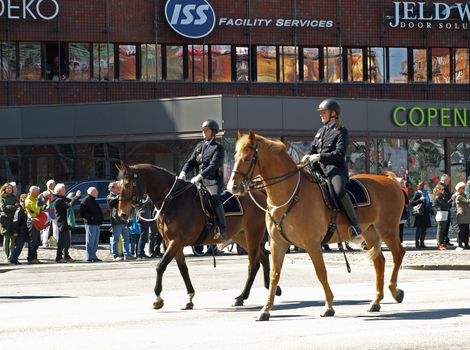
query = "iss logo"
x=193 y=19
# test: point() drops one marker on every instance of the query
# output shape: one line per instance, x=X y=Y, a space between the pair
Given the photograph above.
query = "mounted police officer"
x=329 y=150
x=208 y=159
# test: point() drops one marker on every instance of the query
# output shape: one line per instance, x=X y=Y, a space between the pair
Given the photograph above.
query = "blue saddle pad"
x=232 y=205
x=358 y=193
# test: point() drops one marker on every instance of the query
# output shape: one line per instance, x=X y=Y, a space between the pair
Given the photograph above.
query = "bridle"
x=248 y=176
x=137 y=192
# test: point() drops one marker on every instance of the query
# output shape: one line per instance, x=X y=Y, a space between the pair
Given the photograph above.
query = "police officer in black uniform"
x=208 y=159
x=329 y=150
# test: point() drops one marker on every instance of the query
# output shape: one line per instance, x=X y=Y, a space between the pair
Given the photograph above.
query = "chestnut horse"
x=299 y=215
x=181 y=221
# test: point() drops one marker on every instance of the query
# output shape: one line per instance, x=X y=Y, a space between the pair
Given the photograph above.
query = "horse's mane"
x=274 y=146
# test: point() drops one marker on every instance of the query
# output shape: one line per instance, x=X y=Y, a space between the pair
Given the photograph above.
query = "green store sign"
x=430 y=117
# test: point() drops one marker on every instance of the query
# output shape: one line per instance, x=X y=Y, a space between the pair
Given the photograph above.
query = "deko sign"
x=29 y=9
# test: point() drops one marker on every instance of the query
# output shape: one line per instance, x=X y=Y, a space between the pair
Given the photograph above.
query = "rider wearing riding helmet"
x=208 y=159
x=329 y=150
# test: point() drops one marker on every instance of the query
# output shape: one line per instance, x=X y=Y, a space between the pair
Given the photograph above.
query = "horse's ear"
x=252 y=137
x=239 y=134
x=118 y=167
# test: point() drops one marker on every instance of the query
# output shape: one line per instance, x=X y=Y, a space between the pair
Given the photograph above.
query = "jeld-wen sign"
x=29 y=9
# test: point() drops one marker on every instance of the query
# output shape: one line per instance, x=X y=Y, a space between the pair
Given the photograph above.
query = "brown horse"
x=305 y=224
x=181 y=221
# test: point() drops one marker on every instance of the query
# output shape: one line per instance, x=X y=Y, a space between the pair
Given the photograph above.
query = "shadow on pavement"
x=33 y=297
x=437 y=314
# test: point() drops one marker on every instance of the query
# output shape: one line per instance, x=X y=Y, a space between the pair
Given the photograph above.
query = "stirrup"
x=356 y=231
x=218 y=234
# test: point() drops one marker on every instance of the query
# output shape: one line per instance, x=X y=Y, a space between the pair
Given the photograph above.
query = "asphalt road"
x=108 y=306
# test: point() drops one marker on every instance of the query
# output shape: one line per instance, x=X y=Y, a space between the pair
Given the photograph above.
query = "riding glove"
x=196 y=178
x=312 y=158
x=182 y=176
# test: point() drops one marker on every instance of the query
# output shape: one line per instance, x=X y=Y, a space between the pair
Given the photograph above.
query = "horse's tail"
x=391 y=175
x=374 y=252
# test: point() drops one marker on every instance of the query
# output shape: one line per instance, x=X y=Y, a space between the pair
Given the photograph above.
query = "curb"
x=437 y=267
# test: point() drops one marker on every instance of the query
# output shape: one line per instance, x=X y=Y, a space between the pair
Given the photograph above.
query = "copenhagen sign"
x=29 y=9
x=430 y=117
x=411 y=14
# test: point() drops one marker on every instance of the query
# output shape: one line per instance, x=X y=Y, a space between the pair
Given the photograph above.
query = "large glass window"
x=389 y=155
x=356 y=157
x=333 y=64
x=311 y=56
x=151 y=62
x=242 y=64
x=7 y=61
x=79 y=61
x=174 y=63
x=55 y=63
x=420 y=65
x=127 y=62
x=289 y=63
x=460 y=161
x=198 y=69
x=425 y=160
x=376 y=64
x=440 y=66
x=355 y=65
x=103 y=61
x=462 y=69
x=266 y=64
x=30 y=61
x=398 y=65
x=221 y=61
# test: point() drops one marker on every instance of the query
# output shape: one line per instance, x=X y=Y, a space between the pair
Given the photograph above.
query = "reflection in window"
x=221 y=60
x=390 y=155
x=297 y=149
x=425 y=160
x=311 y=64
x=289 y=63
x=103 y=61
x=356 y=157
x=105 y=158
x=266 y=63
x=79 y=61
x=127 y=62
x=460 y=161
x=355 y=65
x=440 y=65
x=151 y=62
x=30 y=61
x=398 y=61
x=462 y=70
x=198 y=63
x=242 y=67
x=420 y=65
x=376 y=64
x=333 y=64
x=174 y=63
x=7 y=61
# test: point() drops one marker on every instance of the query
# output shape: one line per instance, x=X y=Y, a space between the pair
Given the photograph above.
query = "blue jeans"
x=120 y=230
x=92 y=239
x=134 y=240
x=143 y=238
x=20 y=241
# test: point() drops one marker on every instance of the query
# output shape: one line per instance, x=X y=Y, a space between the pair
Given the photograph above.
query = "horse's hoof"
x=374 y=308
x=264 y=316
x=278 y=291
x=158 y=304
x=188 y=306
x=399 y=296
x=328 y=313
x=238 y=302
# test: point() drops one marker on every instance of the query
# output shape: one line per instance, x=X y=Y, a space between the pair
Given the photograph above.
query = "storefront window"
x=425 y=160
x=462 y=69
x=30 y=61
x=356 y=157
x=151 y=61
x=389 y=155
x=297 y=149
x=460 y=162
x=198 y=63
x=103 y=61
x=221 y=60
x=243 y=63
x=105 y=158
x=174 y=63
x=420 y=65
x=127 y=62
x=376 y=64
x=311 y=57
x=355 y=65
x=333 y=65
x=7 y=61
x=440 y=66
x=79 y=61
x=266 y=64
x=289 y=64
x=398 y=65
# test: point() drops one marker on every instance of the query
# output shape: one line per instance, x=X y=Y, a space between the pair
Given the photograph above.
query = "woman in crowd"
x=8 y=205
x=404 y=215
x=20 y=230
x=442 y=207
x=423 y=218
x=462 y=203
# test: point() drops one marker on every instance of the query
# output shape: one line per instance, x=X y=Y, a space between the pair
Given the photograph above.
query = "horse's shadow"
x=430 y=314
x=33 y=297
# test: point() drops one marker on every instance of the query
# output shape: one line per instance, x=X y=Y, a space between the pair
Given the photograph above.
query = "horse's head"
x=246 y=163
x=130 y=194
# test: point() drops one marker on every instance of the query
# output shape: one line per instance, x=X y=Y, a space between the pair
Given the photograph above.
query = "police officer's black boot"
x=351 y=215
x=220 y=214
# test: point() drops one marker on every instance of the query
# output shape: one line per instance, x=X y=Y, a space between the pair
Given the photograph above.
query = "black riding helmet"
x=211 y=124
x=331 y=105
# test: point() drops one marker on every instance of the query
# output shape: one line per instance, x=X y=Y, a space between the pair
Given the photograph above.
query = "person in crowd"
x=15 y=189
x=34 y=206
x=447 y=196
x=20 y=229
x=8 y=205
x=155 y=241
x=422 y=221
x=441 y=205
x=462 y=204
x=61 y=205
x=145 y=213
x=91 y=212
x=134 y=234
x=119 y=225
x=48 y=198
x=404 y=215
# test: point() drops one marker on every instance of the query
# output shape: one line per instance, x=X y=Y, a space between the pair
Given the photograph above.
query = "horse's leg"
x=316 y=256
x=398 y=252
x=181 y=261
x=264 y=258
x=170 y=253
x=278 y=251
x=375 y=254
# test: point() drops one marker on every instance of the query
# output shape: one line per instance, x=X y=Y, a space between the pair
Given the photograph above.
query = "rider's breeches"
x=213 y=190
x=339 y=183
